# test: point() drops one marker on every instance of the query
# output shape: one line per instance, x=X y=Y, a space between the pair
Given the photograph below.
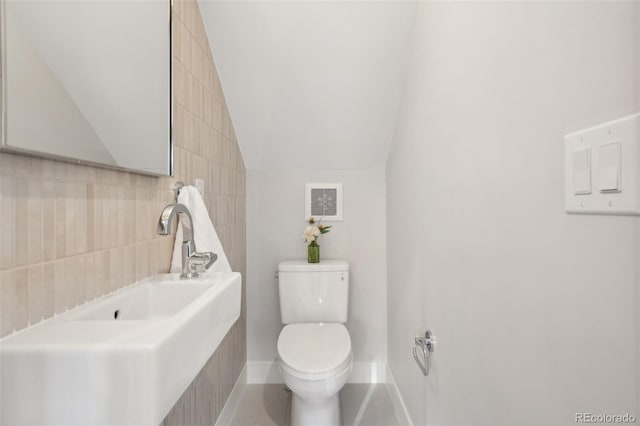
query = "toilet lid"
x=315 y=348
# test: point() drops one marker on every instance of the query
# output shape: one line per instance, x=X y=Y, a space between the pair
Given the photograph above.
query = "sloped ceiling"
x=311 y=85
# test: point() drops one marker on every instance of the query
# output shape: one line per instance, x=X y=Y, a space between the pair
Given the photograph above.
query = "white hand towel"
x=204 y=233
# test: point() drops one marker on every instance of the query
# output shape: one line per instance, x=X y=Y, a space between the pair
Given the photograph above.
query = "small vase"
x=313 y=253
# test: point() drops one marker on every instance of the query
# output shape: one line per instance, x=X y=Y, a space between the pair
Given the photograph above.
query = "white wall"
x=299 y=75
x=275 y=222
x=479 y=247
x=638 y=262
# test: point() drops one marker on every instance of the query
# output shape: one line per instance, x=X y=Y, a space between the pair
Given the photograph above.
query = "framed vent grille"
x=323 y=201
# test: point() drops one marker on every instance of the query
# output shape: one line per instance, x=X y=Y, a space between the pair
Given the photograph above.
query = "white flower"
x=310 y=234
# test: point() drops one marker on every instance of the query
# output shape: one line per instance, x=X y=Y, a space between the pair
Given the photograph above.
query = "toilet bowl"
x=315 y=360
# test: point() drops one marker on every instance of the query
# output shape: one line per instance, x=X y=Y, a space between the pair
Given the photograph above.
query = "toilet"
x=314 y=346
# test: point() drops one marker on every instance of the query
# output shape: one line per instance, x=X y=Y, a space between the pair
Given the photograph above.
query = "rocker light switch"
x=581 y=161
x=609 y=173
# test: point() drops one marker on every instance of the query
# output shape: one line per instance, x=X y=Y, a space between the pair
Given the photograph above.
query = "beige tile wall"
x=70 y=233
x=207 y=148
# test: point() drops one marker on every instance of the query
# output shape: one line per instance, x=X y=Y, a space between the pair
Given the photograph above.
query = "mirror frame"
x=6 y=148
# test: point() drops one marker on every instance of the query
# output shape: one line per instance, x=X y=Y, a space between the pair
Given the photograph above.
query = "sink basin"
x=124 y=359
x=146 y=301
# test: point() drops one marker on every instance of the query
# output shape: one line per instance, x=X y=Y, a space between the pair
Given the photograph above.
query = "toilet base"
x=320 y=413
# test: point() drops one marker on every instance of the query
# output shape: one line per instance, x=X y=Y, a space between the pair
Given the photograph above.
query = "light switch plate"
x=614 y=172
x=199 y=184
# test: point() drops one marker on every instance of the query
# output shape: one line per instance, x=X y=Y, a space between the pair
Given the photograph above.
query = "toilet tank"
x=313 y=292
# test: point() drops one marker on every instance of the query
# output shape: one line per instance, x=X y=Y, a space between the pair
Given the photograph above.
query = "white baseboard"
x=368 y=372
x=363 y=372
x=224 y=419
x=400 y=409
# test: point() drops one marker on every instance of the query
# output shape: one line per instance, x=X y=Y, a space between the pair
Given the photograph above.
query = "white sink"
x=121 y=360
x=146 y=300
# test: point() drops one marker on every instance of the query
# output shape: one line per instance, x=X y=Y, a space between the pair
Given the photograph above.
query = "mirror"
x=89 y=81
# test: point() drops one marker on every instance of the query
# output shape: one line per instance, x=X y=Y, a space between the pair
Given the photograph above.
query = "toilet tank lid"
x=304 y=266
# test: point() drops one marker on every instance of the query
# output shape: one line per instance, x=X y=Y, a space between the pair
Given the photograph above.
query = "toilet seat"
x=314 y=351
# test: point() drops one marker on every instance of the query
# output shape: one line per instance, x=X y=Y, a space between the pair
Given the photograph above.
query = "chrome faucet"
x=192 y=261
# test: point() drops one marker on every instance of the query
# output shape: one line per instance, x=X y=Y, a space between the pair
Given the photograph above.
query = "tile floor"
x=268 y=405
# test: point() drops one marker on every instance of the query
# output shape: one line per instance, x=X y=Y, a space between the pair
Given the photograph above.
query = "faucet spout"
x=166 y=219
x=188 y=244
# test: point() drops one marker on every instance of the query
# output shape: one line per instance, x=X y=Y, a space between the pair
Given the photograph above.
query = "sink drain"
x=116 y=314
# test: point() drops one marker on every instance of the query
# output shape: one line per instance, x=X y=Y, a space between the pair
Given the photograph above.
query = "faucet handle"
x=202 y=261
